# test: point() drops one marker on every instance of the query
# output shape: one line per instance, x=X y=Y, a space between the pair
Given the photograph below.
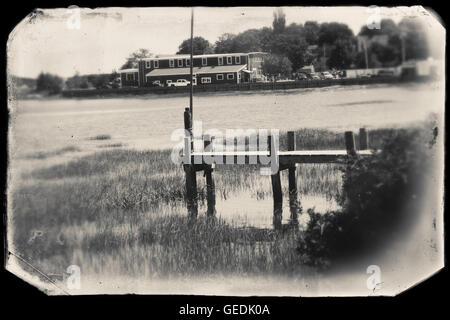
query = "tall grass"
x=98 y=206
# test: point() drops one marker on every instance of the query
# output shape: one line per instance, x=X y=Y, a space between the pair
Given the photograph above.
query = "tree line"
x=329 y=45
x=53 y=84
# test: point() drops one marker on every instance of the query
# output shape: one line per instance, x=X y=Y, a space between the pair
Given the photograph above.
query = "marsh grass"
x=45 y=155
x=97 y=207
x=111 y=145
x=101 y=137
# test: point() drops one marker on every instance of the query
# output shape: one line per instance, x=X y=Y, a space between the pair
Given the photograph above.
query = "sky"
x=52 y=42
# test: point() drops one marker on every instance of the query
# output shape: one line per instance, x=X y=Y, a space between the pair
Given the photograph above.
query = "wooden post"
x=350 y=143
x=277 y=192
x=189 y=169
x=210 y=187
x=293 y=200
x=363 y=139
x=187 y=120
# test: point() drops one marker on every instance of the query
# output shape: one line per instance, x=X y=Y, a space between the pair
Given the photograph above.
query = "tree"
x=49 y=83
x=415 y=38
x=247 y=41
x=292 y=44
x=329 y=33
x=386 y=55
x=276 y=65
x=311 y=32
x=225 y=44
x=279 y=21
x=341 y=56
x=77 y=82
x=387 y=27
x=201 y=46
x=132 y=60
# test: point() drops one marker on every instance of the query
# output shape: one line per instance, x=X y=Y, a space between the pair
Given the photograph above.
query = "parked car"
x=326 y=75
x=315 y=76
x=157 y=83
x=302 y=76
x=285 y=80
x=179 y=83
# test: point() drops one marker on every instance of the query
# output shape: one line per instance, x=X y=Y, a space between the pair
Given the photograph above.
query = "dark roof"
x=211 y=69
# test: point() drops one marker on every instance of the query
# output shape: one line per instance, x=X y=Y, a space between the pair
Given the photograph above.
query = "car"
x=179 y=83
x=302 y=76
x=157 y=83
x=285 y=80
x=326 y=75
x=315 y=76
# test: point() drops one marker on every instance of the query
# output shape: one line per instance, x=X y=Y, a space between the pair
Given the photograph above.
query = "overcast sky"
x=107 y=36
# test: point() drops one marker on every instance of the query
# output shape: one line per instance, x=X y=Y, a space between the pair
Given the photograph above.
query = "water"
x=147 y=123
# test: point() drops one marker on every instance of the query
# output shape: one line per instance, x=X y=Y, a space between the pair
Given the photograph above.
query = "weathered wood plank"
x=363 y=139
x=285 y=157
x=210 y=186
x=292 y=179
x=277 y=193
x=350 y=143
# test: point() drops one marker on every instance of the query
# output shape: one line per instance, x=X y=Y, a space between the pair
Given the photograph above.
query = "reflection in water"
x=243 y=210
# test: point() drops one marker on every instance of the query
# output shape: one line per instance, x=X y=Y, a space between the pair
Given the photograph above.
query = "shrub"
x=47 y=82
x=379 y=192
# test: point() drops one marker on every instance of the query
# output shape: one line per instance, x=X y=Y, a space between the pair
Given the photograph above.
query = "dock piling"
x=293 y=199
x=350 y=143
x=210 y=187
x=363 y=139
x=190 y=172
x=276 y=190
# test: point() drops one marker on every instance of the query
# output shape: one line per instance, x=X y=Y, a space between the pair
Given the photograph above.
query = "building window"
x=204 y=61
x=237 y=60
x=188 y=62
x=171 y=63
x=229 y=60
x=130 y=76
x=206 y=80
x=180 y=62
x=230 y=76
x=156 y=64
x=148 y=64
x=220 y=61
x=219 y=77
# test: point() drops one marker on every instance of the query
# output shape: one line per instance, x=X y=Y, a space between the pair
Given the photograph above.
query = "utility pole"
x=191 y=105
x=365 y=53
x=403 y=48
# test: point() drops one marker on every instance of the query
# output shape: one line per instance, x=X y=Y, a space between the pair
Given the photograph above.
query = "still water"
x=147 y=123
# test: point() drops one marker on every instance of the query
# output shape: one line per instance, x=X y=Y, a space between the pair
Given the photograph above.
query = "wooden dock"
x=285 y=160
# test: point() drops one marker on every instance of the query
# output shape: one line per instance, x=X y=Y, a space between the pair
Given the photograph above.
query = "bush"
x=379 y=192
x=49 y=83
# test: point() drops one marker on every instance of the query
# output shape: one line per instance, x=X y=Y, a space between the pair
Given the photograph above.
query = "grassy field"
x=96 y=211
